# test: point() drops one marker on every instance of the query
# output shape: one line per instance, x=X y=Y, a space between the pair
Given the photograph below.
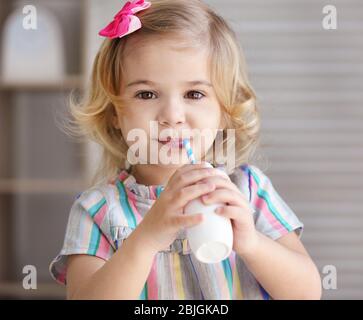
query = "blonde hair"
x=192 y=20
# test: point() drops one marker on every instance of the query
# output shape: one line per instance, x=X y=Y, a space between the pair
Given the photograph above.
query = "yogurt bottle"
x=211 y=241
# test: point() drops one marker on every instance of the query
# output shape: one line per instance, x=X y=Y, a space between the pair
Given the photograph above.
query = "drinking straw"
x=188 y=149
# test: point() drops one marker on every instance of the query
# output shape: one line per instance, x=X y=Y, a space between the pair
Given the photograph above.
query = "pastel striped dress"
x=103 y=216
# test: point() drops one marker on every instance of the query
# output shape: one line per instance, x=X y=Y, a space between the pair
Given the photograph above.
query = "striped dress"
x=103 y=216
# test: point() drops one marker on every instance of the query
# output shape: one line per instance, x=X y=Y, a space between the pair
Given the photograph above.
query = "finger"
x=187 y=221
x=220 y=182
x=225 y=196
x=189 y=193
x=184 y=169
x=231 y=212
x=191 y=177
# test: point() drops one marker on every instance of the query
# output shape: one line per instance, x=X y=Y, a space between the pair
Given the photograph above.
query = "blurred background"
x=309 y=82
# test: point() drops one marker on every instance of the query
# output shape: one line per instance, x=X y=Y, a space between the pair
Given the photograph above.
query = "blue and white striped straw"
x=188 y=148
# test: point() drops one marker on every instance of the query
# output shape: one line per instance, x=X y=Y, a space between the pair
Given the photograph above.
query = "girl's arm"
x=284 y=268
x=122 y=277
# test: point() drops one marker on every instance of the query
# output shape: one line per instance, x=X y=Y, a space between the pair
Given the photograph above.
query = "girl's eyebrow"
x=148 y=82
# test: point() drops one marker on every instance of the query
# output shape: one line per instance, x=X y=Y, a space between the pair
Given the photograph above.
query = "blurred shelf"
x=68 y=83
x=45 y=290
x=41 y=186
x=14 y=107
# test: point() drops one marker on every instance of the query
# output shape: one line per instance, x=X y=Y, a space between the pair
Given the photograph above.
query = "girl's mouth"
x=173 y=143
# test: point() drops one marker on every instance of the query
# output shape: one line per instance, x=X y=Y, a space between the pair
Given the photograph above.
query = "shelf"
x=45 y=290
x=68 y=83
x=33 y=105
x=41 y=186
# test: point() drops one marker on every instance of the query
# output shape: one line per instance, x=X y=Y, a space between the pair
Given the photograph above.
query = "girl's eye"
x=145 y=95
x=197 y=95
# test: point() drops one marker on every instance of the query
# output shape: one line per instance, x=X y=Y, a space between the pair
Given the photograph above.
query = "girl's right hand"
x=165 y=218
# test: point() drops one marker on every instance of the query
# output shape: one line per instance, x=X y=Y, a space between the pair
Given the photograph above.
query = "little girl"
x=178 y=64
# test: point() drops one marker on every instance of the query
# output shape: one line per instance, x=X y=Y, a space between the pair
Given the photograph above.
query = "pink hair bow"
x=125 y=21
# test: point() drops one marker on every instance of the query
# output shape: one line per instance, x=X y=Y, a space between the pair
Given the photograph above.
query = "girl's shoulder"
x=255 y=184
x=96 y=226
x=273 y=216
x=104 y=204
x=98 y=197
x=245 y=177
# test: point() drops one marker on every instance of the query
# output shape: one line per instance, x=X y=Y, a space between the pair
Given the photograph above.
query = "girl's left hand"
x=237 y=209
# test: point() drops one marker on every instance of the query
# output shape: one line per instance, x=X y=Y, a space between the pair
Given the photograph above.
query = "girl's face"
x=170 y=87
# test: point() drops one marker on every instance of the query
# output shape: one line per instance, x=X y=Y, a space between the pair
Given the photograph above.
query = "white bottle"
x=211 y=241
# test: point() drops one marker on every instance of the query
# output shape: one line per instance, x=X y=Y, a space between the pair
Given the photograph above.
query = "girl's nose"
x=172 y=114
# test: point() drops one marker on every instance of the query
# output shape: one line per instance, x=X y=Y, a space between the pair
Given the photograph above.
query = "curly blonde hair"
x=198 y=23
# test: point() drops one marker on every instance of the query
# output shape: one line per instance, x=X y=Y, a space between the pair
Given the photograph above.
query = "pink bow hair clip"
x=125 y=21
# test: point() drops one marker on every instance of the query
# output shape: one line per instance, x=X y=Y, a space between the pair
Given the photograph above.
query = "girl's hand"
x=165 y=218
x=237 y=209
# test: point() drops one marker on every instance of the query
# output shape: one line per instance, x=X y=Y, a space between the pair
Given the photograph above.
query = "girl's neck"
x=152 y=174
